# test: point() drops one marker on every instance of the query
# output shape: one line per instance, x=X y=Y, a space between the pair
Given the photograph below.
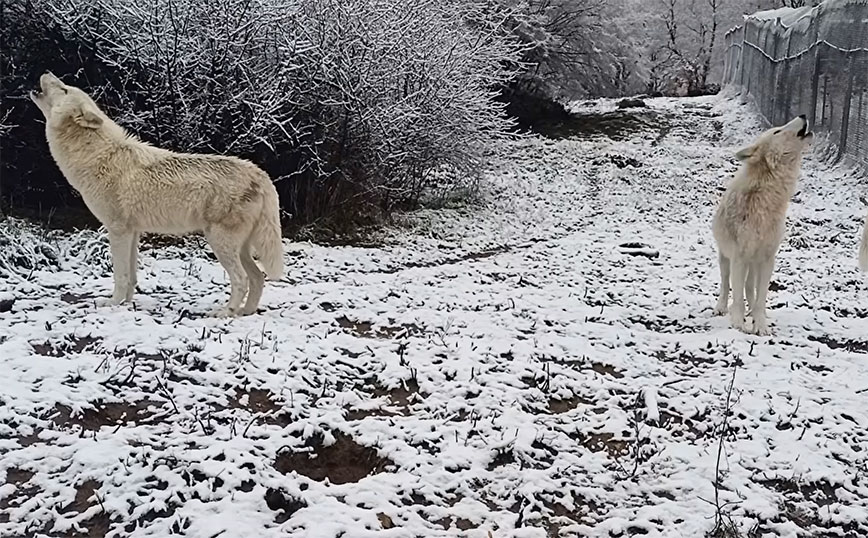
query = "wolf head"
x=66 y=106
x=779 y=146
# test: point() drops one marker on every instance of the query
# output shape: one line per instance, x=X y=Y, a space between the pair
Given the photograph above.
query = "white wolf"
x=749 y=223
x=132 y=187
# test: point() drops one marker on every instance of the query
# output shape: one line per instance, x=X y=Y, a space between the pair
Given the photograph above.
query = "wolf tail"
x=266 y=237
x=863 y=250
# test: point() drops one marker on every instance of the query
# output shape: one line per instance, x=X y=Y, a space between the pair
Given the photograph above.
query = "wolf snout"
x=803 y=132
x=48 y=78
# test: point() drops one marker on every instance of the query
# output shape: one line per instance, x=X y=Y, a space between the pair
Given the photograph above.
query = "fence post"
x=767 y=101
x=848 y=98
x=746 y=61
x=739 y=59
x=815 y=79
x=775 y=71
x=787 y=67
x=852 y=44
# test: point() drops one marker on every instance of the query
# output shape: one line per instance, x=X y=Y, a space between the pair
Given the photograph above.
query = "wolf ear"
x=745 y=153
x=86 y=117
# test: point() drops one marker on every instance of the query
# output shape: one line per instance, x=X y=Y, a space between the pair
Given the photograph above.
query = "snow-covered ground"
x=510 y=370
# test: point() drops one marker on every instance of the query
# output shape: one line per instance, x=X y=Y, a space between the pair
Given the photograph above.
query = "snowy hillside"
x=547 y=365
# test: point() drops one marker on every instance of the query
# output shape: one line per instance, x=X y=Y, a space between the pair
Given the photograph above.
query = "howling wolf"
x=749 y=223
x=133 y=187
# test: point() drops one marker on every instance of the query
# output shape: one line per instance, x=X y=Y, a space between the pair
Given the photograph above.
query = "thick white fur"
x=750 y=222
x=133 y=187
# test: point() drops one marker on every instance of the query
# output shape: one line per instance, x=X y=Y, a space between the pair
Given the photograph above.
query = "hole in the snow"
x=342 y=462
x=286 y=505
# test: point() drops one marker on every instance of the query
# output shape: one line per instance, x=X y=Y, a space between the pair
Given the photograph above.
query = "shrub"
x=352 y=106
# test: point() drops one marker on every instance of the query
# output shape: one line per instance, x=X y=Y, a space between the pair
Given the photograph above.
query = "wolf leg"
x=119 y=241
x=738 y=277
x=764 y=276
x=256 y=279
x=723 y=294
x=226 y=245
x=134 y=262
x=750 y=283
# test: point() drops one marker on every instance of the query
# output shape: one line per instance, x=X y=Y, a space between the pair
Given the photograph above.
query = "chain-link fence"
x=811 y=61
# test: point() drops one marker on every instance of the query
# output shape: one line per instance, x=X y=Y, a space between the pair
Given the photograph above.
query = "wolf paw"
x=224 y=312
x=737 y=323
x=112 y=301
x=761 y=328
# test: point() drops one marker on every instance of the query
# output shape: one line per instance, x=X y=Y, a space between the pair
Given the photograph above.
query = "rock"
x=632 y=103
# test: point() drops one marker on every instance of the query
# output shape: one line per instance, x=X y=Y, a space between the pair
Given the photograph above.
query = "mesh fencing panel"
x=811 y=61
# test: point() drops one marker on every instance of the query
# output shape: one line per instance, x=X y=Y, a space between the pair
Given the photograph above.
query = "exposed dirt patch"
x=327 y=306
x=853 y=346
x=557 y=406
x=802 y=505
x=776 y=286
x=284 y=504
x=599 y=367
x=366 y=329
x=152 y=515
x=262 y=403
x=605 y=441
x=75 y=298
x=6 y=305
x=68 y=344
x=616 y=125
x=621 y=161
x=681 y=425
x=560 y=516
x=632 y=103
x=661 y=324
x=639 y=249
x=85 y=497
x=19 y=479
x=606 y=369
x=821 y=493
x=16 y=477
x=343 y=462
x=105 y=414
x=502 y=456
x=400 y=399
x=711 y=355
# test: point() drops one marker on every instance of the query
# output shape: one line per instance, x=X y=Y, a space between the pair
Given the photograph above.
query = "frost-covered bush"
x=24 y=249
x=569 y=48
x=351 y=105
